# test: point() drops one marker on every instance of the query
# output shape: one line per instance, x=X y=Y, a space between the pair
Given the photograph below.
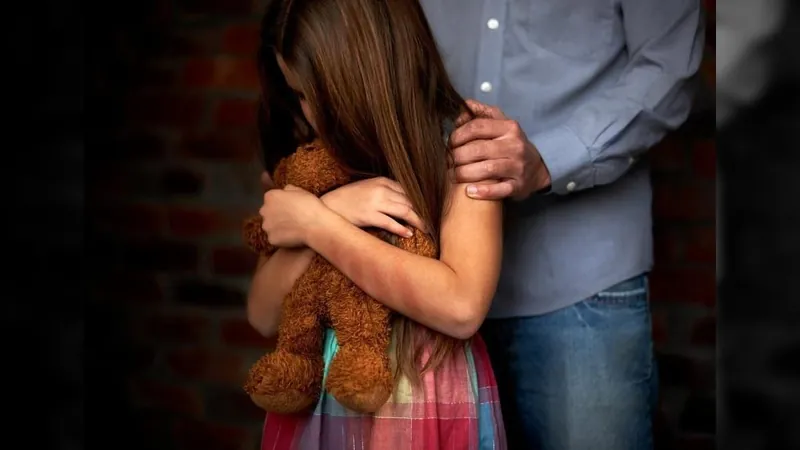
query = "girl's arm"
x=375 y=202
x=451 y=295
x=274 y=278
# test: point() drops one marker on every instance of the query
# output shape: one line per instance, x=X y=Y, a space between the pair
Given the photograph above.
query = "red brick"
x=239 y=333
x=236 y=113
x=181 y=181
x=207 y=365
x=205 y=435
x=684 y=285
x=668 y=244
x=194 y=222
x=232 y=146
x=170 y=397
x=241 y=39
x=217 y=7
x=701 y=244
x=140 y=219
x=221 y=72
x=209 y=295
x=669 y=155
x=233 y=261
x=675 y=200
x=167 y=110
x=174 y=328
x=704 y=332
x=128 y=287
x=704 y=158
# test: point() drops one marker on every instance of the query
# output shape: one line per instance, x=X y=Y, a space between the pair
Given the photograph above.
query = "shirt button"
x=486 y=86
x=571 y=186
x=631 y=160
x=493 y=24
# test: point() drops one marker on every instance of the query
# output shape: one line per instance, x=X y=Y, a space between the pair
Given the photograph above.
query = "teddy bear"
x=289 y=379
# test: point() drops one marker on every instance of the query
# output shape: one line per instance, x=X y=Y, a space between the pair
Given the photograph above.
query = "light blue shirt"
x=594 y=84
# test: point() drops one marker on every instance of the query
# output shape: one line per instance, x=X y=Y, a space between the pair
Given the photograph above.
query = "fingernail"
x=409 y=233
x=472 y=190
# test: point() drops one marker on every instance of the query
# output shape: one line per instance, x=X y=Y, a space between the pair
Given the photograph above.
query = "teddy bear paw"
x=360 y=381
x=285 y=383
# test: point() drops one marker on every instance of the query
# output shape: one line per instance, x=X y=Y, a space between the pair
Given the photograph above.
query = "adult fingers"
x=475 y=151
x=480 y=128
x=483 y=110
x=494 y=191
x=493 y=169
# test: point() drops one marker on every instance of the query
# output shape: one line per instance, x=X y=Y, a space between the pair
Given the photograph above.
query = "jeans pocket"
x=623 y=310
x=631 y=293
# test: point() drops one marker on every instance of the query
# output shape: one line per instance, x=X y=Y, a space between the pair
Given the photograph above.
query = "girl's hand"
x=376 y=202
x=289 y=214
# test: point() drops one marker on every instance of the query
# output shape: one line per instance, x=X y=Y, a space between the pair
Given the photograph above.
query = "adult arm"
x=598 y=143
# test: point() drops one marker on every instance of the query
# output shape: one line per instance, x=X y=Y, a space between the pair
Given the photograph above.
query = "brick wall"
x=683 y=280
x=176 y=173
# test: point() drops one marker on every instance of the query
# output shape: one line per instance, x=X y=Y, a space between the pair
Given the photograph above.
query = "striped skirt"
x=455 y=408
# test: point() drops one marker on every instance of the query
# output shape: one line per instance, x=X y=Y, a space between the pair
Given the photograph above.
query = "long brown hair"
x=380 y=99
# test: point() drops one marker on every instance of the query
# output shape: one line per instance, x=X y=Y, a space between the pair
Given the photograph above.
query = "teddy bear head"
x=313 y=168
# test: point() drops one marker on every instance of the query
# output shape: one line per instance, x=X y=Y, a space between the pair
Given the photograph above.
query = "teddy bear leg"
x=360 y=377
x=289 y=379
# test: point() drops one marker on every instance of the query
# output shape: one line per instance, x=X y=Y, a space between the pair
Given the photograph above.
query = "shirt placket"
x=490 y=53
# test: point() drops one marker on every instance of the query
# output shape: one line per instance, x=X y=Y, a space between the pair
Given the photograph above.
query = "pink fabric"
x=455 y=408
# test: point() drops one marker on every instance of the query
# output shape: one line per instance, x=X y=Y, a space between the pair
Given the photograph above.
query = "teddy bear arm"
x=420 y=244
x=360 y=376
x=289 y=379
x=256 y=238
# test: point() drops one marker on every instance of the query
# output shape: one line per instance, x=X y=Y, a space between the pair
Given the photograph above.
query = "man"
x=582 y=89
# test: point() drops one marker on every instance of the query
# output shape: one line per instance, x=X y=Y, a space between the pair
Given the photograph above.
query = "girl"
x=365 y=77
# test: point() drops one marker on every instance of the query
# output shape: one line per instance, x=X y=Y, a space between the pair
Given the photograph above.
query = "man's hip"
x=581 y=377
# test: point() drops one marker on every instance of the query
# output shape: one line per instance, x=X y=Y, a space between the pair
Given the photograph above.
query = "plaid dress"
x=455 y=408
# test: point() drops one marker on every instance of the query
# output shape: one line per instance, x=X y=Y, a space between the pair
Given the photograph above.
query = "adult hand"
x=493 y=147
x=375 y=202
x=288 y=215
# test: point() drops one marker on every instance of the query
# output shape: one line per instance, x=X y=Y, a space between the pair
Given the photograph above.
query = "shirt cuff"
x=567 y=159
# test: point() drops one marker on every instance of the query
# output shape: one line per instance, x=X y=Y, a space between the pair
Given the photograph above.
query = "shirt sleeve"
x=600 y=141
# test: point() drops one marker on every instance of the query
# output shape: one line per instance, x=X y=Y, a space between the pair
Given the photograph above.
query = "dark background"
x=169 y=171
x=759 y=309
x=173 y=172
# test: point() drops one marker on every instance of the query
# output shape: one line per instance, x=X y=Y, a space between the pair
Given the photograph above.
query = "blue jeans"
x=579 y=378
